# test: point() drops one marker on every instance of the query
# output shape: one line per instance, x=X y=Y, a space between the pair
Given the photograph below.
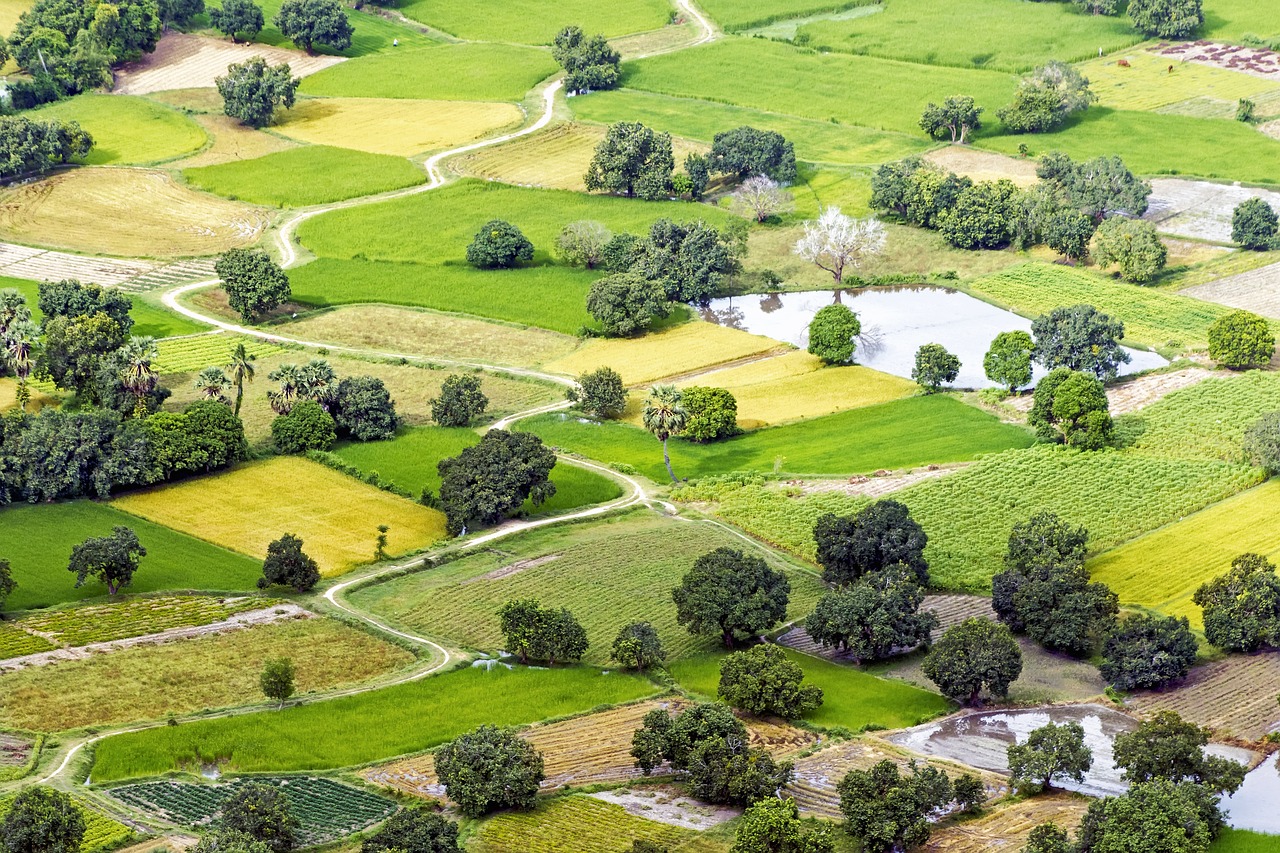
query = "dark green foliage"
x=204 y=437
x=179 y=12
x=637 y=646
x=728 y=593
x=874 y=617
x=625 y=303
x=71 y=299
x=1048 y=838
x=308 y=23
x=414 y=830
x=541 y=633
x=489 y=769
x=1242 y=607
x=229 y=841
x=958 y=116
x=934 y=368
x=1166 y=19
x=600 y=393
x=75 y=349
x=762 y=681
x=364 y=409
x=486 y=482
x=774 y=826
x=689 y=260
x=1050 y=752
x=970 y=792
x=499 y=245
x=710 y=413
x=237 y=17
x=1099 y=188
x=277 y=679
x=888 y=811
x=728 y=771
x=1254 y=225
x=111 y=560
x=877 y=537
x=632 y=160
x=662 y=737
x=1082 y=338
x=1148 y=652
x=746 y=151
x=621 y=252
x=254 y=283
x=60 y=454
x=315 y=381
x=831 y=334
x=1008 y=362
x=929 y=192
x=698 y=168
x=7 y=583
x=974 y=656
x=1068 y=231
x=288 y=565
x=306 y=426
x=1071 y=408
x=262 y=811
x=1240 y=340
x=1171 y=749
x=252 y=91
x=1262 y=442
x=70 y=45
x=982 y=216
x=42 y=820
x=1160 y=815
x=460 y=402
x=590 y=64
x=1046 y=98
x=1133 y=246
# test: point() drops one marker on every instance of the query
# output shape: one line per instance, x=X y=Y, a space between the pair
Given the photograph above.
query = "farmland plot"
x=187 y=61
x=135 y=617
x=1146 y=83
x=32 y=265
x=1256 y=290
x=473 y=71
x=1199 y=209
x=15 y=642
x=298 y=177
x=193 y=354
x=1008 y=826
x=394 y=126
x=583 y=823
x=232 y=142
x=1236 y=696
x=534 y=22
x=128 y=130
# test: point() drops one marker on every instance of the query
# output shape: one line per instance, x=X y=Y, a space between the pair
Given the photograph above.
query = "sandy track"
x=184 y=61
x=1142 y=391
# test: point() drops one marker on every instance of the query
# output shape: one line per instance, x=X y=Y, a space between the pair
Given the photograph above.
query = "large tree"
x=1152 y=816
x=876 y=537
x=111 y=560
x=728 y=593
x=1254 y=225
x=76 y=349
x=264 y=812
x=958 y=116
x=983 y=216
x=1148 y=652
x=1050 y=752
x=363 y=409
x=632 y=160
x=1133 y=246
x=974 y=656
x=486 y=482
x=590 y=64
x=1166 y=19
x=874 y=617
x=832 y=332
x=664 y=416
x=889 y=811
x=1045 y=98
x=746 y=151
x=600 y=393
x=42 y=820
x=625 y=304
x=637 y=646
x=414 y=830
x=935 y=367
x=489 y=768
x=29 y=148
x=460 y=402
x=308 y=23
x=838 y=243
x=252 y=90
x=690 y=260
x=774 y=826
x=288 y=565
x=1241 y=339
x=541 y=633
x=1099 y=188
x=1071 y=408
x=1167 y=747
x=763 y=682
x=70 y=298
x=242 y=370
x=499 y=245
x=1008 y=362
x=254 y=283
x=306 y=426
x=1082 y=338
x=237 y=17
x=1242 y=607
x=710 y=413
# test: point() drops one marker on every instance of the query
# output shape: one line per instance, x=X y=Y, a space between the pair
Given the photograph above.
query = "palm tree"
x=212 y=384
x=290 y=377
x=136 y=373
x=241 y=368
x=19 y=353
x=13 y=309
x=664 y=417
x=317 y=381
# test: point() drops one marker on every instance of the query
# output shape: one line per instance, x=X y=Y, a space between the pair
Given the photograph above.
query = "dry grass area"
x=1130 y=395
x=148 y=682
x=984 y=165
x=185 y=61
x=9 y=396
x=248 y=507
x=557 y=158
x=149 y=215
x=386 y=328
x=877 y=485
x=232 y=141
x=394 y=126
x=1236 y=697
x=1008 y=827
x=1257 y=291
x=1199 y=209
x=677 y=351
x=10 y=11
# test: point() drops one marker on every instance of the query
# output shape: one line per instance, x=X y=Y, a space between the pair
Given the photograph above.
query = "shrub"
x=831 y=334
x=1254 y=224
x=1262 y=442
x=489 y=769
x=1071 y=408
x=710 y=413
x=581 y=244
x=1008 y=362
x=1241 y=339
x=288 y=565
x=1132 y=245
x=1148 y=652
x=935 y=367
x=460 y=401
x=600 y=393
x=499 y=245
x=307 y=426
x=364 y=409
x=625 y=304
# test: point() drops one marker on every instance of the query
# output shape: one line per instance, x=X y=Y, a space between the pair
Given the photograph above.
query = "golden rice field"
x=9 y=396
x=676 y=351
x=1008 y=827
x=557 y=158
x=581 y=822
x=1163 y=569
x=232 y=141
x=1147 y=83
x=400 y=127
x=982 y=165
x=248 y=507
x=149 y=215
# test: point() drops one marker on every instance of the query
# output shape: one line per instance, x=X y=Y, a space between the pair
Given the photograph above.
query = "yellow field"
x=9 y=396
x=1008 y=827
x=232 y=141
x=984 y=165
x=1148 y=85
x=1163 y=569
x=10 y=10
x=557 y=158
x=400 y=127
x=245 y=509
x=125 y=212
x=680 y=350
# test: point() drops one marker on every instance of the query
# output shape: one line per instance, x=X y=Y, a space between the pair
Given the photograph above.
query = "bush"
x=1132 y=245
x=1008 y=362
x=581 y=244
x=1241 y=339
x=254 y=283
x=1262 y=442
x=1148 y=652
x=1071 y=408
x=600 y=393
x=1166 y=19
x=1254 y=225
x=288 y=565
x=305 y=427
x=935 y=367
x=460 y=401
x=1046 y=98
x=710 y=413
x=364 y=409
x=831 y=334
x=626 y=303
x=499 y=245
x=763 y=682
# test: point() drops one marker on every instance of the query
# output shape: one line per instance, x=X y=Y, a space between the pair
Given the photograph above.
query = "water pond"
x=895 y=322
x=1256 y=805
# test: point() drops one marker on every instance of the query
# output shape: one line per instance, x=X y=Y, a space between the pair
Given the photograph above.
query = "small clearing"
x=984 y=165
x=1236 y=697
x=232 y=141
x=1199 y=209
x=44 y=265
x=513 y=569
x=876 y=486
x=1257 y=291
x=667 y=805
x=394 y=126
x=185 y=61
x=1257 y=61
x=1140 y=391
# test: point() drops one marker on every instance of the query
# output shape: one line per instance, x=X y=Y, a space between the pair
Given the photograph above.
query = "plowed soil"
x=184 y=61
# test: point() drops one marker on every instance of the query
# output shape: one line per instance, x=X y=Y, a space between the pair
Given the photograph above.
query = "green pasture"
x=456 y=72
x=128 y=130
x=765 y=75
x=311 y=174
x=537 y=22
x=815 y=141
x=367 y=727
x=372 y=32
x=609 y=573
x=1231 y=19
x=37 y=540
x=904 y=433
x=851 y=699
x=149 y=316
x=735 y=15
x=1243 y=841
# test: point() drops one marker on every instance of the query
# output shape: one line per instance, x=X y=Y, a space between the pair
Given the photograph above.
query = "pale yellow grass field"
x=676 y=351
x=9 y=396
x=984 y=165
x=1147 y=84
x=232 y=141
x=184 y=61
x=10 y=11
x=245 y=509
x=393 y=126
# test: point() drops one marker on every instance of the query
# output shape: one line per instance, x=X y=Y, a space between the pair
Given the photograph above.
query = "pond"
x=895 y=322
x=1256 y=805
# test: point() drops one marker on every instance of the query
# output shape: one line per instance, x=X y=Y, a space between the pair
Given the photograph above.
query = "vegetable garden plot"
x=188 y=355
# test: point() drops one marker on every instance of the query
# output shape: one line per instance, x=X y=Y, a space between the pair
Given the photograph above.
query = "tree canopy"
x=460 y=402
x=1008 y=361
x=112 y=560
x=710 y=413
x=1169 y=748
x=29 y=148
x=488 y=769
x=632 y=160
x=489 y=480
x=878 y=536
x=541 y=633
x=308 y=23
x=589 y=62
x=288 y=565
x=746 y=151
x=875 y=617
x=638 y=646
x=42 y=820
x=600 y=393
x=958 y=116
x=1167 y=19
x=252 y=91
x=254 y=283
x=1242 y=607
x=728 y=593
x=838 y=243
x=762 y=681
x=1045 y=98
x=1071 y=408
x=263 y=812
x=499 y=245
x=887 y=810
x=625 y=304
x=935 y=367
x=1254 y=225
x=1132 y=246
x=1147 y=652
x=1082 y=338
x=236 y=18
x=1050 y=752
x=414 y=830
x=1240 y=340
x=774 y=826
x=832 y=332
x=973 y=656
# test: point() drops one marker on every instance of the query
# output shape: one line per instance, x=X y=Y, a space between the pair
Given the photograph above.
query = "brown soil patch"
x=667 y=805
x=1008 y=828
x=1257 y=291
x=513 y=569
x=1271 y=128
x=1199 y=209
x=44 y=265
x=1257 y=61
x=232 y=141
x=15 y=751
x=1235 y=697
x=185 y=61
x=1139 y=392
x=984 y=165
x=873 y=487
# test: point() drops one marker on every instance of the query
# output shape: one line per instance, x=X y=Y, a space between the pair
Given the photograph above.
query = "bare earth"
x=668 y=806
x=1235 y=697
x=1199 y=209
x=1257 y=291
x=873 y=487
x=1141 y=391
x=1257 y=61
x=184 y=61
x=984 y=165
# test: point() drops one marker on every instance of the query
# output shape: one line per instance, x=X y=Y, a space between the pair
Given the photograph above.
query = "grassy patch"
x=100 y=831
x=462 y=72
x=1230 y=19
x=128 y=130
x=191 y=355
x=246 y=508
x=1243 y=841
x=1205 y=421
x=744 y=14
x=372 y=32
x=398 y=126
x=37 y=540
x=534 y=22
x=15 y=642
x=359 y=729
x=1146 y=84
x=591 y=824
x=149 y=682
x=303 y=176
x=135 y=616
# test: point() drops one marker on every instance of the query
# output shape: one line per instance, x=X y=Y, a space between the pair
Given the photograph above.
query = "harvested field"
x=1235 y=697
x=1257 y=291
x=151 y=215
x=1200 y=209
x=394 y=126
x=668 y=804
x=232 y=142
x=9 y=396
x=15 y=750
x=186 y=61
x=1008 y=827
x=1130 y=395
x=1257 y=61
x=556 y=159
x=875 y=486
x=128 y=130
x=245 y=509
x=43 y=265
x=984 y=165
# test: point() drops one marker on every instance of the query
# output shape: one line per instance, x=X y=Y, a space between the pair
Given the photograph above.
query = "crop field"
x=737 y=15
x=135 y=617
x=463 y=72
x=1150 y=317
x=557 y=159
x=187 y=61
x=1009 y=826
x=327 y=810
x=1242 y=841
x=303 y=176
x=10 y=11
x=245 y=509
x=394 y=126
x=532 y=22
x=1253 y=291
x=353 y=730
x=609 y=574
x=128 y=130
x=100 y=832
x=1205 y=421
x=1147 y=84
x=1235 y=696
x=768 y=76
x=678 y=350
x=1199 y=209
x=9 y=396
x=232 y=142
x=37 y=540
x=151 y=215
x=213 y=671
x=581 y=822
x=15 y=642
x=191 y=355
x=914 y=431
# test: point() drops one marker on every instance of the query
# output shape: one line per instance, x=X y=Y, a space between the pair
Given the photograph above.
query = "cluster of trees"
x=307 y=23
x=534 y=632
x=490 y=480
x=313 y=406
x=589 y=63
x=252 y=90
x=29 y=148
x=1166 y=19
x=888 y=810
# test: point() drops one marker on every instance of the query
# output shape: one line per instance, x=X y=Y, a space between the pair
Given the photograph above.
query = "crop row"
x=100 y=832
x=15 y=642
x=1205 y=421
x=136 y=617
x=187 y=355
x=570 y=824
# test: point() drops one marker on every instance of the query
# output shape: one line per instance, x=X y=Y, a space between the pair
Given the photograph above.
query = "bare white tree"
x=581 y=242
x=760 y=196
x=836 y=242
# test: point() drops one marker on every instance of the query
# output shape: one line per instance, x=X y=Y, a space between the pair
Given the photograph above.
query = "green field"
x=1205 y=421
x=373 y=32
x=1243 y=841
x=128 y=130
x=610 y=573
x=367 y=727
x=37 y=540
x=591 y=824
x=1231 y=19
x=454 y=72
x=780 y=78
x=149 y=317
x=312 y=174
x=736 y=15
x=914 y=431
x=535 y=22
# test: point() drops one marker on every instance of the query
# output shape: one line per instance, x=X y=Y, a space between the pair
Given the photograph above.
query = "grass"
x=905 y=433
x=581 y=822
x=608 y=573
x=246 y=508
x=100 y=832
x=1231 y=19
x=15 y=642
x=135 y=616
x=1243 y=841
x=534 y=22
x=128 y=130
x=150 y=682
x=743 y=14
x=851 y=699
x=372 y=33
x=191 y=355
x=1146 y=84
x=37 y=540
x=359 y=729
x=1204 y=421
x=400 y=127
x=313 y=174
x=779 y=78
x=461 y=72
